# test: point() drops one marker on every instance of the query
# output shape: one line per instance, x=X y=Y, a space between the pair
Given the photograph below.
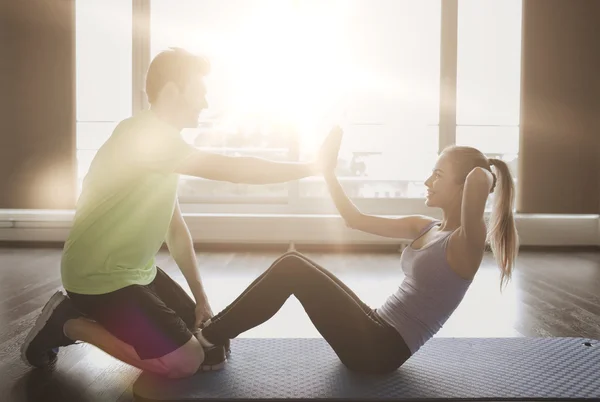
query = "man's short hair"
x=175 y=65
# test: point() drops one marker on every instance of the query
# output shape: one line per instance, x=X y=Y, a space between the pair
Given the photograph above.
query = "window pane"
x=103 y=74
x=103 y=59
x=392 y=62
x=489 y=60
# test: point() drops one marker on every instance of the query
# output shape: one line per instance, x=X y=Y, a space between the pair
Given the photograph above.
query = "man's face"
x=193 y=101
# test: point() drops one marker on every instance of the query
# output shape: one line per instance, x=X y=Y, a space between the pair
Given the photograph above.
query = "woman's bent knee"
x=291 y=261
x=185 y=361
x=292 y=253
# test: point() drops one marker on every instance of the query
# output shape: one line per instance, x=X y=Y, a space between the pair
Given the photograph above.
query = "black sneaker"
x=40 y=347
x=226 y=344
x=215 y=359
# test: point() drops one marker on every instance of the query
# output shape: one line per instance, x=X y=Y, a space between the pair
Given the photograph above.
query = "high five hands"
x=330 y=148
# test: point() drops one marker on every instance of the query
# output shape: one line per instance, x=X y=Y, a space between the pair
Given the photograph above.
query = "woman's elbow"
x=352 y=221
x=479 y=175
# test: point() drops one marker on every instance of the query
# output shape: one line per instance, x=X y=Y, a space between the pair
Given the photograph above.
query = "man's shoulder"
x=146 y=122
x=132 y=128
x=134 y=122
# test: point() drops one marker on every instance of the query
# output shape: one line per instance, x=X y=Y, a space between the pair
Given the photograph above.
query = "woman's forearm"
x=344 y=205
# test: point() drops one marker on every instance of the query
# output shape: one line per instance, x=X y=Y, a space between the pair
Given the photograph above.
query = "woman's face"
x=444 y=187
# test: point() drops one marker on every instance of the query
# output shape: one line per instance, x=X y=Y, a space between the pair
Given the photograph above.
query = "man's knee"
x=185 y=361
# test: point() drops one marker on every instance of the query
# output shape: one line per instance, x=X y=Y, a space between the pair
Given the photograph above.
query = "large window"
x=388 y=76
x=488 y=77
x=284 y=71
x=104 y=73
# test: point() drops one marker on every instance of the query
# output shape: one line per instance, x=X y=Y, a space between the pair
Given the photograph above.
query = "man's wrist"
x=199 y=294
x=200 y=298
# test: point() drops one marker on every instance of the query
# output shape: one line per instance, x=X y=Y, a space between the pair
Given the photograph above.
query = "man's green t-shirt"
x=125 y=207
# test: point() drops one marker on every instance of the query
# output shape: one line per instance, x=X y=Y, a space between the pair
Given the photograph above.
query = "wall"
x=37 y=132
x=560 y=128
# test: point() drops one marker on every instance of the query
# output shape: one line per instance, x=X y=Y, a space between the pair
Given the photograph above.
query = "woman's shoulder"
x=422 y=224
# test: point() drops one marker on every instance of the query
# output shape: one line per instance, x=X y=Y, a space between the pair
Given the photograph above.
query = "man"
x=118 y=300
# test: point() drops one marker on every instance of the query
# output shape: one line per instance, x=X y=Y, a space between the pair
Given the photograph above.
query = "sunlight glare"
x=285 y=73
x=303 y=66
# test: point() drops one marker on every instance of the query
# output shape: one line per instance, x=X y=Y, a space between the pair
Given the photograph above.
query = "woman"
x=439 y=266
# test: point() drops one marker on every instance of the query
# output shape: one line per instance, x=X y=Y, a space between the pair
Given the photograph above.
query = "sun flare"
x=294 y=65
x=284 y=74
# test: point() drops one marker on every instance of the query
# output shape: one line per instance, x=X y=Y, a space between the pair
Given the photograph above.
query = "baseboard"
x=303 y=248
x=241 y=247
x=281 y=229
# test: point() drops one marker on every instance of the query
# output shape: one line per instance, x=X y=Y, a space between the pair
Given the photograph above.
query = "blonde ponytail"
x=502 y=232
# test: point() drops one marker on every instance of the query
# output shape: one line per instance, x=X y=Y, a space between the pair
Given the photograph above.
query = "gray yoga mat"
x=470 y=369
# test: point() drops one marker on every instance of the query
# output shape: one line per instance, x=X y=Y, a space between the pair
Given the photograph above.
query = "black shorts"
x=155 y=319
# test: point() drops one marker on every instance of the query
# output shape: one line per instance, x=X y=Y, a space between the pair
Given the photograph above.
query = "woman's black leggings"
x=359 y=337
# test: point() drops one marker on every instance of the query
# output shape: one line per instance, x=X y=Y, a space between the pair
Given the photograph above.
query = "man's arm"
x=181 y=247
x=244 y=169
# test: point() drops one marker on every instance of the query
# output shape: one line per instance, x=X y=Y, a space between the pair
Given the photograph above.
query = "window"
x=388 y=90
x=103 y=73
x=277 y=87
x=488 y=77
x=284 y=71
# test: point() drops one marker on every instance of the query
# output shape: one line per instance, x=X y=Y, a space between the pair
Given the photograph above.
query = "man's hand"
x=328 y=154
x=203 y=313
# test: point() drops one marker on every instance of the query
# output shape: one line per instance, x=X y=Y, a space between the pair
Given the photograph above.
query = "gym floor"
x=553 y=293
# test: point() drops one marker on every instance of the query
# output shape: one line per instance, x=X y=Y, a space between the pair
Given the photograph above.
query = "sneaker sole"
x=214 y=367
x=47 y=311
